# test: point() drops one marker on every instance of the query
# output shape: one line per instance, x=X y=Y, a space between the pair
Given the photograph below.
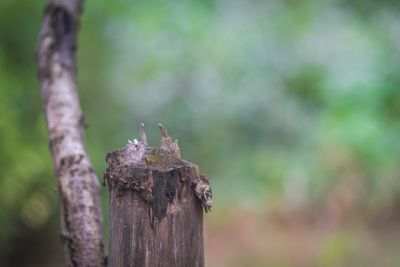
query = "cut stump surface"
x=156 y=205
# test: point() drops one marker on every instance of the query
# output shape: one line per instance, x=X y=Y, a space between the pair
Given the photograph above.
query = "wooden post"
x=156 y=206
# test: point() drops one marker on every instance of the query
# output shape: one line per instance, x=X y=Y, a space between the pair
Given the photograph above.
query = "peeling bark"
x=81 y=216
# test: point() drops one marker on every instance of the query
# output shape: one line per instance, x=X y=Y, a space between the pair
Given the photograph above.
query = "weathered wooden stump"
x=156 y=206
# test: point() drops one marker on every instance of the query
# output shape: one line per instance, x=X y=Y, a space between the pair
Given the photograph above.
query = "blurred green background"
x=291 y=107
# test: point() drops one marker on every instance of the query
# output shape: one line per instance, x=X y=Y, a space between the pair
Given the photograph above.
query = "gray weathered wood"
x=80 y=208
x=156 y=206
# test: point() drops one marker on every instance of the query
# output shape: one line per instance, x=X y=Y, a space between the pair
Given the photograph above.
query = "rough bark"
x=156 y=206
x=81 y=216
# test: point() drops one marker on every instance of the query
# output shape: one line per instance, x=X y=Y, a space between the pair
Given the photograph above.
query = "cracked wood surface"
x=81 y=216
x=156 y=205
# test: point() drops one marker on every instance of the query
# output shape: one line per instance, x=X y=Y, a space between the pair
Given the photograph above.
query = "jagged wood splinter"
x=156 y=205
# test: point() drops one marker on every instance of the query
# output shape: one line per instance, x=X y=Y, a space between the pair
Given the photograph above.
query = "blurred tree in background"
x=292 y=105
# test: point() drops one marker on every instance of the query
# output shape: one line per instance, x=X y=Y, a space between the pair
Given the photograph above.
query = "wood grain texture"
x=81 y=216
x=156 y=217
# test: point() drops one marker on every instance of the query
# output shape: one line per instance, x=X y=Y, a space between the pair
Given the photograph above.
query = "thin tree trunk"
x=80 y=209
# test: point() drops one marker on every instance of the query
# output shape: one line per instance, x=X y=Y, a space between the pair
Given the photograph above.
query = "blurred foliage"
x=291 y=100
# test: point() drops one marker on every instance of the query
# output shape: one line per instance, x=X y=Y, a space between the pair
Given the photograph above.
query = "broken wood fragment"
x=156 y=205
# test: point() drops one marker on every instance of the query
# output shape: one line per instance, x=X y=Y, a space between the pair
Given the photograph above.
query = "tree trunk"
x=156 y=206
x=81 y=216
